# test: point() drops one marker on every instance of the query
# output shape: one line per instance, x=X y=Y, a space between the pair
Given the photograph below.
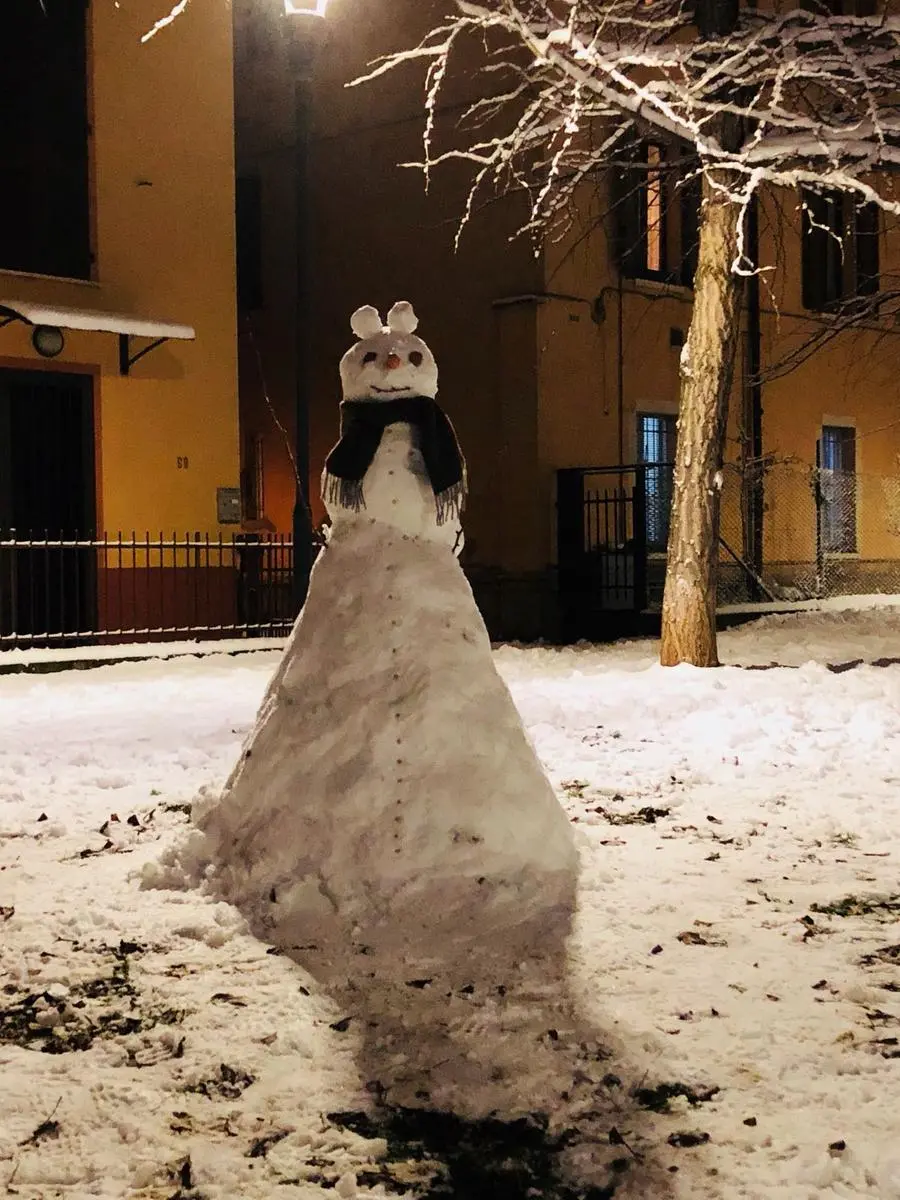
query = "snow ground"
x=722 y=813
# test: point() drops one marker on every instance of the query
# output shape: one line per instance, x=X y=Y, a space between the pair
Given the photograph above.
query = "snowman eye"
x=369 y=356
x=416 y=358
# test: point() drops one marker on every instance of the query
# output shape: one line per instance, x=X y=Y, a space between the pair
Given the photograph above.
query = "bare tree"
x=777 y=97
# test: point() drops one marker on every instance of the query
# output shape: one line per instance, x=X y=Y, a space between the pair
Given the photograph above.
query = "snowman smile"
x=390 y=389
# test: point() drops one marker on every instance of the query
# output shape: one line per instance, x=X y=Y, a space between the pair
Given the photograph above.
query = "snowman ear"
x=402 y=318
x=366 y=322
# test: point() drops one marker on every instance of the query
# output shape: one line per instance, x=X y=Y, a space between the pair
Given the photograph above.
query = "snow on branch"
x=174 y=14
x=564 y=88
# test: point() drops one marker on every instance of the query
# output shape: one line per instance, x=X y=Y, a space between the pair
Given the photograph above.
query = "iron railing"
x=72 y=590
x=603 y=528
x=789 y=531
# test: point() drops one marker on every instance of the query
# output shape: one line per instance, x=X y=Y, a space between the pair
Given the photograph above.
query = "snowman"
x=388 y=791
x=398 y=460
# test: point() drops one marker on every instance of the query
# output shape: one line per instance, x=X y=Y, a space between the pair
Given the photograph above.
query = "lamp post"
x=302 y=61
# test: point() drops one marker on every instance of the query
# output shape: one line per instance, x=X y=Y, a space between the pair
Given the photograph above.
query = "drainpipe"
x=753 y=436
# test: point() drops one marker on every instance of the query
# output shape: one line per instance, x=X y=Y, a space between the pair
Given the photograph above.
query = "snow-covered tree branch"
x=740 y=98
x=576 y=81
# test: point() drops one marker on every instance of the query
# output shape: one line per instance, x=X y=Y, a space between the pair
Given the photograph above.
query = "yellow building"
x=565 y=357
x=118 y=363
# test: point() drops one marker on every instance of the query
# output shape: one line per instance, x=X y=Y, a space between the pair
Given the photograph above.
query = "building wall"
x=851 y=380
x=597 y=376
x=546 y=360
x=162 y=189
x=609 y=350
x=377 y=237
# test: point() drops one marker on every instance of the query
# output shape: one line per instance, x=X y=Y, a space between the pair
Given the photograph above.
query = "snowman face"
x=388 y=366
x=388 y=362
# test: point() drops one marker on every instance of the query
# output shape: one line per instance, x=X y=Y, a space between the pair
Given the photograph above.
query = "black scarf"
x=362 y=424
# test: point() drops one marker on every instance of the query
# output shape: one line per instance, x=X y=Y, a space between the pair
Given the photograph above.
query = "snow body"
x=388 y=777
x=389 y=783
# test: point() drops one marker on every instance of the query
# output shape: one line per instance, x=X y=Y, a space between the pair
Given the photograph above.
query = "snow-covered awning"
x=126 y=325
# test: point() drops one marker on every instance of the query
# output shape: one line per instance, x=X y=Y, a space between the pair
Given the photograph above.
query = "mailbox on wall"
x=228 y=505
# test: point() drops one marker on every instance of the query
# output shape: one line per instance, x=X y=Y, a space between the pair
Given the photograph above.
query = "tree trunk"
x=689 y=599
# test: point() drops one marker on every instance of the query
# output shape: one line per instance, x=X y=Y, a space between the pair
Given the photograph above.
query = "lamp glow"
x=305 y=8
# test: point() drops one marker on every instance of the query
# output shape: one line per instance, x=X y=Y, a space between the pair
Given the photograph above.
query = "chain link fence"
x=791 y=531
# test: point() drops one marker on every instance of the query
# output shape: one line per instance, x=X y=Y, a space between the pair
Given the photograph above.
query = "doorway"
x=47 y=502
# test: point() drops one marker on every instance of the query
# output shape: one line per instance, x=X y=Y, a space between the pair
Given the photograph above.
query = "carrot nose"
x=392 y=362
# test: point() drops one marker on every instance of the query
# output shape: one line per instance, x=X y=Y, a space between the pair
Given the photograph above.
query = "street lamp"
x=302 y=62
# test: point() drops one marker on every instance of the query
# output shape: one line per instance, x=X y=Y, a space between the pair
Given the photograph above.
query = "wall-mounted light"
x=305 y=8
x=48 y=340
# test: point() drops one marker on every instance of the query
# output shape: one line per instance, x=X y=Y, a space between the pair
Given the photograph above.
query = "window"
x=656 y=449
x=253 y=479
x=656 y=203
x=44 y=203
x=840 y=249
x=248 y=235
x=836 y=459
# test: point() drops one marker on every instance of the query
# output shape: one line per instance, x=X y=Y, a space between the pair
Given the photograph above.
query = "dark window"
x=44 y=206
x=840 y=249
x=867 y=227
x=837 y=489
x=248 y=233
x=656 y=204
x=253 y=479
x=656 y=449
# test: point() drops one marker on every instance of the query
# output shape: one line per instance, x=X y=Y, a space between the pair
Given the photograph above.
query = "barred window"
x=656 y=451
x=837 y=489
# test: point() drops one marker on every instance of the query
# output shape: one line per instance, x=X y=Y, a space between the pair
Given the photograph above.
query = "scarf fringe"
x=348 y=493
x=449 y=502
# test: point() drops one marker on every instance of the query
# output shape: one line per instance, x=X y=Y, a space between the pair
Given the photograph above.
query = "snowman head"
x=389 y=361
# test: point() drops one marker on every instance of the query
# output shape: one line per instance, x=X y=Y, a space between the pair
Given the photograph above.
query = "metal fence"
x=793 y=531
x=604 y=528
x=789 y=531
x=105 y=590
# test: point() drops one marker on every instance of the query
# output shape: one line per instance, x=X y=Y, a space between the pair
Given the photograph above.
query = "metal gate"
x=602 y=544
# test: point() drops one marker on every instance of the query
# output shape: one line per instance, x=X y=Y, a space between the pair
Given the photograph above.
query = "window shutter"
x=248 y=232
x=867 y=265
x=813 y=261
x=847 y=452
x=823 y=272
x=627 y=198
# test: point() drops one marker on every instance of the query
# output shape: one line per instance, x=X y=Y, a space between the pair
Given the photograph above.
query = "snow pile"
x=388 y=782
